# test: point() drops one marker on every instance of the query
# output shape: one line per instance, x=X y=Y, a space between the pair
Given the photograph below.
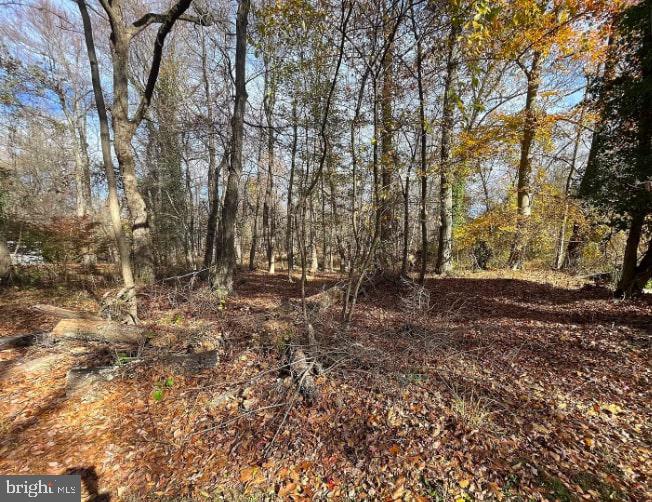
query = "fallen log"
x=65 y=313
x=196 y=361
x=100 y=331
x=10 y=342
x=85 y=382
x=322 y=300
x=82 y=381
x=303 y=370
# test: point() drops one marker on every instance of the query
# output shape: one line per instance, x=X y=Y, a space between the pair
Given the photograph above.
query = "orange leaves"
x=252 y=476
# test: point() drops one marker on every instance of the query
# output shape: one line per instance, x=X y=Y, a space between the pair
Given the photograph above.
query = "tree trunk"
x=225 y=261
x=268 y=216
x=140 y=228
x=524 y=190
x=406 y=222
x=573 y=249
x=123 y=130
x=289 y=244
x=627 y=285
x=83 y=186
x=423 y=166
x=388 y=154
x=214 y=208
x=5 y=260
x=642 y=275
x=254 y=226
x=105 y=140
x=445 y=247
x=559 y=257
x=214 y=169
x=314 y=258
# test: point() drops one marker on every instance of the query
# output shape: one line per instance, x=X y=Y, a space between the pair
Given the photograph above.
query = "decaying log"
x=101 y=331
x=86 y=382
x=65 y=313
x=303 y=370
x=82 y=381
x=196 y=361
x=10 y=342
x=325 y=299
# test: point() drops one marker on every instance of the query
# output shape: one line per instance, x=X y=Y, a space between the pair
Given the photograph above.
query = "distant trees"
x=385 y=137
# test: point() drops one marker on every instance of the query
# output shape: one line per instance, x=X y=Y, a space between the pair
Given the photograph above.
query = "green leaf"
x=157 y=394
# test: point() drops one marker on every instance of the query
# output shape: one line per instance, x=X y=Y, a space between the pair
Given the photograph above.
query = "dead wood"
x=88 y=382
x=10 y=342
x=303 y=370
x=194 y=362
x=65 y=313
x=102 y=331
x=85 y=381
x=325 y=299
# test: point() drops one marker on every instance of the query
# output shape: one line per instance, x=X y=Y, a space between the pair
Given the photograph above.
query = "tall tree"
x=122 y=35
x=225 y=262
x=445 y=248
x=618 y=180
x=105 y=140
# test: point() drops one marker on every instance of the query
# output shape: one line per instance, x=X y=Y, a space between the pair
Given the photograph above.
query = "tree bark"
x=105 y=140
x=222 y=277
x=423 y=139
x=627 y=286
x=445 y=247
x=559 y=256
x=268 y=203
x=289 y=244
x=124 y=131
x=524 y=190
x=388 y=153
x=214 y=169
x=5 y=260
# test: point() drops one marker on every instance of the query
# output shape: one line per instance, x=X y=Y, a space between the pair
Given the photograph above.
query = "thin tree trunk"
x=289 y=244
x=445 y=248
x=268 y=218
x=83 y=185
x=324 y=246
x=314 y=259
x=214 y=169
x=406 y=222
x=559 y=257
x=254 y=228
x=524 y=190
x=190 y=215
x=5 y=260
x=225 y=259
x=423 y=139
x=388 y=154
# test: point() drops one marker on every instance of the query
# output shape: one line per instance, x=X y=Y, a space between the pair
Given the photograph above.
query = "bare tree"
x=114 y=205
x=225 y=262
x=124 y=126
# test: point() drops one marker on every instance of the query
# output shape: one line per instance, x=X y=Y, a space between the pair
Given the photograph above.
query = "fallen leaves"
x=563 y=389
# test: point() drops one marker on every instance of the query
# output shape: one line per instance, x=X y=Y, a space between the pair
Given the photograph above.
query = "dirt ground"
x=487 y=386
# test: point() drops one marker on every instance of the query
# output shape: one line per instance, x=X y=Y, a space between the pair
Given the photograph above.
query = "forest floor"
x=512 y=386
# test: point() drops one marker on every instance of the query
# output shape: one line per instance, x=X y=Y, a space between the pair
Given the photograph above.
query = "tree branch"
x=167 y=22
